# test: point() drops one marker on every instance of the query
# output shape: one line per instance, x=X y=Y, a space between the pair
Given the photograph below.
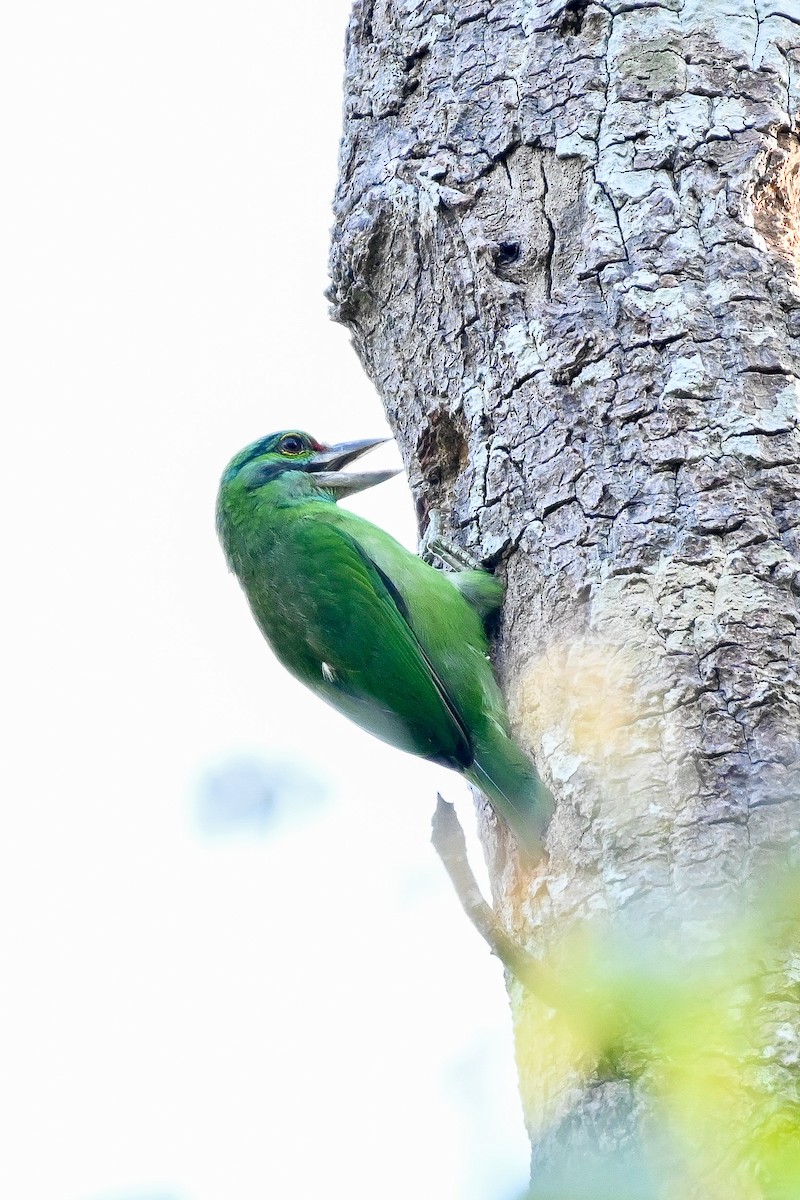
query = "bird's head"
x=304 y=465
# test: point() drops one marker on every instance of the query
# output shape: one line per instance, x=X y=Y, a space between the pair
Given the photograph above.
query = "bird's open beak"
x=327 y=463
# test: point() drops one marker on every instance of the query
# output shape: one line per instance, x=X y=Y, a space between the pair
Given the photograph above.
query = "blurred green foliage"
x=688 y=1034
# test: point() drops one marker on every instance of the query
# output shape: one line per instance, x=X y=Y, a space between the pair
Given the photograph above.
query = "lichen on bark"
x=566 y=247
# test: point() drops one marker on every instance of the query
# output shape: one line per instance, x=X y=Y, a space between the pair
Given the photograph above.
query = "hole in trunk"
x=572 y=17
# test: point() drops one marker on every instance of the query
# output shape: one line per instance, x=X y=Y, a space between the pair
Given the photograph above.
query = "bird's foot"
x=435 y=546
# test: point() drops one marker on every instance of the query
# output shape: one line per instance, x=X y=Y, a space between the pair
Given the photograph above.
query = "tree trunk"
x=566 y=246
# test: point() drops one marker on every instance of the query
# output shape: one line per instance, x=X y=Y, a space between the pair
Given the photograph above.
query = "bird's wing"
x=355 y=621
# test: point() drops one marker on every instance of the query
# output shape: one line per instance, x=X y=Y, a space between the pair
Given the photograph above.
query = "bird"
x=392 y=642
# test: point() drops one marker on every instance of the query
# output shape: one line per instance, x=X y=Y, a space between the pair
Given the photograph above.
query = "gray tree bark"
x=566 y=244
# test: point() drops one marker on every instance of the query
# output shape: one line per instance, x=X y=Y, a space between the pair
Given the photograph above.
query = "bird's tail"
x=511 y=783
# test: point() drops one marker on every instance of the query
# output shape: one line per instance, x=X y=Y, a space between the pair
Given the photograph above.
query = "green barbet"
x=394 y=644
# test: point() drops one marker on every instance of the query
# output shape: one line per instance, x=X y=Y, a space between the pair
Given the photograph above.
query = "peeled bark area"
x=566 y=246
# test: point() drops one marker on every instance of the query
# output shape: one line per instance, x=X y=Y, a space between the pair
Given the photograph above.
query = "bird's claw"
x=435 y=546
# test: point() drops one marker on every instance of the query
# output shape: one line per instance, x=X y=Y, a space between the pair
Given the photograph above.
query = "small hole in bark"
x=442 y=448
x=442 y=453
x=572 y=17
x=416 y=57
x=507 y=253
x=413 y=68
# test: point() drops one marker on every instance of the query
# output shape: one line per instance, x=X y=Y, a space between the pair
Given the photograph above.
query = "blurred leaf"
x=706 y=1027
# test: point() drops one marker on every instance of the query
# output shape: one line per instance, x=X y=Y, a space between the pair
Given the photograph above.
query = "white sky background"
x=188 y=1016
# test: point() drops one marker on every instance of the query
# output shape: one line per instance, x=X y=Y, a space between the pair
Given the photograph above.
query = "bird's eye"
x=292 y=444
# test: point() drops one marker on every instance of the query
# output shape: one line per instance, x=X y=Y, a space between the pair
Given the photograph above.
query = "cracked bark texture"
x=566 y=246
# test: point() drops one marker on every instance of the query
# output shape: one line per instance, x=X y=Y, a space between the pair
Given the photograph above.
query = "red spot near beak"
x=318 y=445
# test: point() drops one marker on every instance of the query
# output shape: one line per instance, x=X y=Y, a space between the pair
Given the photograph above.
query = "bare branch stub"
x=447 y=838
